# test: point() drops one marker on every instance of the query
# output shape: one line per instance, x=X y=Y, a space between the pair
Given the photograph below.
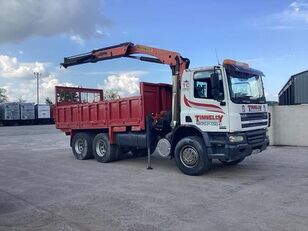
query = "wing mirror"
x=216 y=89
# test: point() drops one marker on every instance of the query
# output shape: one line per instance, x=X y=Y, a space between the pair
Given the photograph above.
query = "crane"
x=176 y=62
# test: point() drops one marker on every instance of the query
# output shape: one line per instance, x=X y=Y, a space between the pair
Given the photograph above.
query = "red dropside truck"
x=216 y=112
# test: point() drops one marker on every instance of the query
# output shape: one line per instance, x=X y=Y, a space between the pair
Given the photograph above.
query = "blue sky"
x=269 y=35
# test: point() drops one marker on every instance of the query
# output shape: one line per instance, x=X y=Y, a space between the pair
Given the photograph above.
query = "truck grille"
x=256 y=137
x=253 y=116
x=254 y=119
x=254 y=124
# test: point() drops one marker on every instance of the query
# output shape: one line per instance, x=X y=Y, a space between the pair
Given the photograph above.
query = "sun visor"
x=242 y=69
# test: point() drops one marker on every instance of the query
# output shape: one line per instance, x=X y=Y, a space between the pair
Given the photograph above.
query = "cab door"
x=199 y=108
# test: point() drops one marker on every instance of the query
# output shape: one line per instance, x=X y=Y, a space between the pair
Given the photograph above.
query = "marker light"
x=234 y=62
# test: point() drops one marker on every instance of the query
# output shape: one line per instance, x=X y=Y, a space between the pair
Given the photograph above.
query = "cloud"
x=18 y=79
x=11 y=68
x=294 y=16
x=77 y=39
x=129 y=73
x=78 y=19
x=126 y=84
x=296 y=12
x=27 y=89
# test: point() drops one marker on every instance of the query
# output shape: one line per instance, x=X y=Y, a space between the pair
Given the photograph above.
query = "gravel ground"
x=42 y=187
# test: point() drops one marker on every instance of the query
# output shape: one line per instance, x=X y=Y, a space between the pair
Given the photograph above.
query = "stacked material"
x=9 y=111
x=27 y=111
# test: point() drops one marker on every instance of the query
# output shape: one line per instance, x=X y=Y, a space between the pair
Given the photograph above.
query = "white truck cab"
x=227 y=104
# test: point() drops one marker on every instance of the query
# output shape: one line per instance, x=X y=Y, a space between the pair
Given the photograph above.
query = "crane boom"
x=127 y=50
x=176 y=62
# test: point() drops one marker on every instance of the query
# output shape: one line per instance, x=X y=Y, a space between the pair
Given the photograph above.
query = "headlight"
x=236 y=138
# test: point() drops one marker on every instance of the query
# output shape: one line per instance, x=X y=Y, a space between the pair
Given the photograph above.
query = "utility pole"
x=37 y=75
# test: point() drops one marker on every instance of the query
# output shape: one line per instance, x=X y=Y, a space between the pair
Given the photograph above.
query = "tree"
x=48 y=101
x=21 y=100
x=111 y=94
x=3 y=97
x=66 y=96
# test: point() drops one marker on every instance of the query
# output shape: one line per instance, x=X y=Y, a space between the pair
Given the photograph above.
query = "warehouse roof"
x=291 y=79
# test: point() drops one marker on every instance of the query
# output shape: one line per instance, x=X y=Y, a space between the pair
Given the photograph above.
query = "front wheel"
x=191 y=157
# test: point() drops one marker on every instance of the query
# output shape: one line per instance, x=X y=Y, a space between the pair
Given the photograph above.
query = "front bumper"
x=221 y=149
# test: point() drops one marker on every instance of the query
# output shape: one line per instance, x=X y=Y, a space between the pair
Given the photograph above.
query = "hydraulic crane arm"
x=176 y=62
x=127 y=50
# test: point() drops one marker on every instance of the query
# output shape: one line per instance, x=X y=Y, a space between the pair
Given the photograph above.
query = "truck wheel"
x=103 y=151
x=234 y=162
x=191 y=157
x=82 y=145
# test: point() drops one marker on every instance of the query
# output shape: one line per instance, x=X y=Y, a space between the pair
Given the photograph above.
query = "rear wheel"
x=191 y=157
x=103 y=151
x=82 y=145
x=234 y=162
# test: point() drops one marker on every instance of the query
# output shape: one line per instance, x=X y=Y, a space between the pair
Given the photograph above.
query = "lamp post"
x=37 y=75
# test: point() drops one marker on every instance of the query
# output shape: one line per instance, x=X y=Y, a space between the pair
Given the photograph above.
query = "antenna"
x=217 y=57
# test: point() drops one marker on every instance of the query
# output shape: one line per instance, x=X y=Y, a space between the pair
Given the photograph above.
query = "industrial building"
x=295 y=90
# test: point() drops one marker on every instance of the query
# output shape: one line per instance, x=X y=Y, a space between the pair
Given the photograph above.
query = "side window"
x=203 y=85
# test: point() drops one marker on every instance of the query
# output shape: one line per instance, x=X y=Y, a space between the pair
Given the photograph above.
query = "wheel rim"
x=80 y=146
x=189 y=156
x=101 y=148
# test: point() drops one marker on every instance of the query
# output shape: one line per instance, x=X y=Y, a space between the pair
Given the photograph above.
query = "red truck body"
x=119 y=115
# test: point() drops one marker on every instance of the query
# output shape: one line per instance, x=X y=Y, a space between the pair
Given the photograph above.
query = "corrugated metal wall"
x=287 y=96
x=301 y=88
x=295 y=90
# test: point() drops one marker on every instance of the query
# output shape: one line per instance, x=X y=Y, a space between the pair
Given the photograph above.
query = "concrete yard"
x=43 y=187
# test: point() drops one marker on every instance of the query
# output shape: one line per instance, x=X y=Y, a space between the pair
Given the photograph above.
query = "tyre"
x=191 y=157
x=103 y=151
x=82 y=145
x=234 y=162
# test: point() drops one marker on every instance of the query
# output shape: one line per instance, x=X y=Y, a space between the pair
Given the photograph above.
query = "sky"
x=35 y=36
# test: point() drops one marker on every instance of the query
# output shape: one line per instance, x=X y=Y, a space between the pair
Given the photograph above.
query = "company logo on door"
x=254 y=108
x=186 y=85
x=209 y=120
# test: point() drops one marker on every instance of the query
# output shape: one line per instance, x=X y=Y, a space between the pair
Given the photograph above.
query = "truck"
x=209 y=113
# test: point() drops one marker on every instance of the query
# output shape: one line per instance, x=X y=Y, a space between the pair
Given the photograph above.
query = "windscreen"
x=245 y=88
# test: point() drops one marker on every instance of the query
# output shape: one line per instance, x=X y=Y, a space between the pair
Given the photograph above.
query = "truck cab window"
x=202 y=85
x=202 y=89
